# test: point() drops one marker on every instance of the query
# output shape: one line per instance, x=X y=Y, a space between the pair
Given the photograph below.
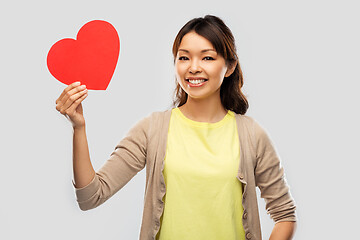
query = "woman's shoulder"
x=251 y=124
x=245 y=119
x=158 y=116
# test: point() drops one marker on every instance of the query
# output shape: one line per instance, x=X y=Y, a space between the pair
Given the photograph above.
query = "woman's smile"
x=195 y=81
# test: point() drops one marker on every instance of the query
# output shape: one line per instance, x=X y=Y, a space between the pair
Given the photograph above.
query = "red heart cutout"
x=90 y=59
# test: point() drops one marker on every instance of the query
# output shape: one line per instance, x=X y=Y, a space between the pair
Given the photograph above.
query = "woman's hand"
x=69 y=104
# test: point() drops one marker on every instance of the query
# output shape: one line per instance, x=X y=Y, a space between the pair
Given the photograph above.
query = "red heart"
x=90 y=59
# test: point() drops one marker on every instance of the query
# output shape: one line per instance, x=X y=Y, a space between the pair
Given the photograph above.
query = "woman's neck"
x=204 y=110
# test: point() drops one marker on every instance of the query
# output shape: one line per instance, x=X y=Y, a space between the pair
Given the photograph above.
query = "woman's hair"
x=214 y=29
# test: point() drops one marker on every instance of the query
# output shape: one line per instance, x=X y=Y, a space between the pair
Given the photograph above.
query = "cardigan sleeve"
x=127 y=159
x=270 y=178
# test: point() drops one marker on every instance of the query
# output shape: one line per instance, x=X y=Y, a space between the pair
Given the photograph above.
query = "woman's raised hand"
x=69 y=104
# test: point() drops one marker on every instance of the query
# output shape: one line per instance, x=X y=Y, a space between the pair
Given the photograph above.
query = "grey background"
x=301 y=68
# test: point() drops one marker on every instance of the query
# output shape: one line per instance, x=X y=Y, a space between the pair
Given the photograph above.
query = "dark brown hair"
x=214 y=29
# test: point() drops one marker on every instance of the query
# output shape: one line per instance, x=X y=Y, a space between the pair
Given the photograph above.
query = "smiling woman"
x=208 y=95
x=204 y=158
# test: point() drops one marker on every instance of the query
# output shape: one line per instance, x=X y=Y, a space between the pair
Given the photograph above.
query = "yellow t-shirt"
x=203 y=196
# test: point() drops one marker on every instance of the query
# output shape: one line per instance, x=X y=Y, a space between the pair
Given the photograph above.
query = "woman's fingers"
x=69 y=96
x=64 y=96
x=71 y=99
x=73 y=95
x=67 y=89
x=74 y=90
x=80 y=96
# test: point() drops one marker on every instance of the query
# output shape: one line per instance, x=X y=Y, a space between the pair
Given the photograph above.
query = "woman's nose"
x=194 y=67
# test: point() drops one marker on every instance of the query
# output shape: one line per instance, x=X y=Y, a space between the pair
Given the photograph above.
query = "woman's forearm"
x=283 y=231
x=82 y=167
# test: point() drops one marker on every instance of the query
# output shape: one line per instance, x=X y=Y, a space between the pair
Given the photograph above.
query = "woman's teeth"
x=196 y=81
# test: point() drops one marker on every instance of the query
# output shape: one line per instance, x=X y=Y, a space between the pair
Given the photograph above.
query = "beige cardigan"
x=145 y=145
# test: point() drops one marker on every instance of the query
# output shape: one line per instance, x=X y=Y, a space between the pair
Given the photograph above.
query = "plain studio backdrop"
x=301 y=69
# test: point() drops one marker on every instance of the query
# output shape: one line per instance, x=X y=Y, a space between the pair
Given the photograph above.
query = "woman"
x=204 y=157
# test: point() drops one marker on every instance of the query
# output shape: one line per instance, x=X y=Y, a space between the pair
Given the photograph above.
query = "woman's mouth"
x=196 y=82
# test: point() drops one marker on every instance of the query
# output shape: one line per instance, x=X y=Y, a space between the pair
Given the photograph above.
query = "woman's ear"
x=231 y=69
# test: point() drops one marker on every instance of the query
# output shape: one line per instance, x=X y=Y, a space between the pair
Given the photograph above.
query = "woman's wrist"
x=79 y=128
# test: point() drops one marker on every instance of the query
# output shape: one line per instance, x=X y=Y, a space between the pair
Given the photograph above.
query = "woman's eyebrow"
x=205 y=50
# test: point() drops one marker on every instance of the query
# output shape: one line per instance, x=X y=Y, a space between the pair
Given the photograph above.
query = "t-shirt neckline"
x=191 y=122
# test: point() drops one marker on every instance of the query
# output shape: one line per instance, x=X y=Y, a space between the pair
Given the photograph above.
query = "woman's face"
x=197 y=61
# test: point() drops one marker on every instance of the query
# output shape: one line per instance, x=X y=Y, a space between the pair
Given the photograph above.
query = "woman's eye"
x=183 y=58
x=208 y=58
